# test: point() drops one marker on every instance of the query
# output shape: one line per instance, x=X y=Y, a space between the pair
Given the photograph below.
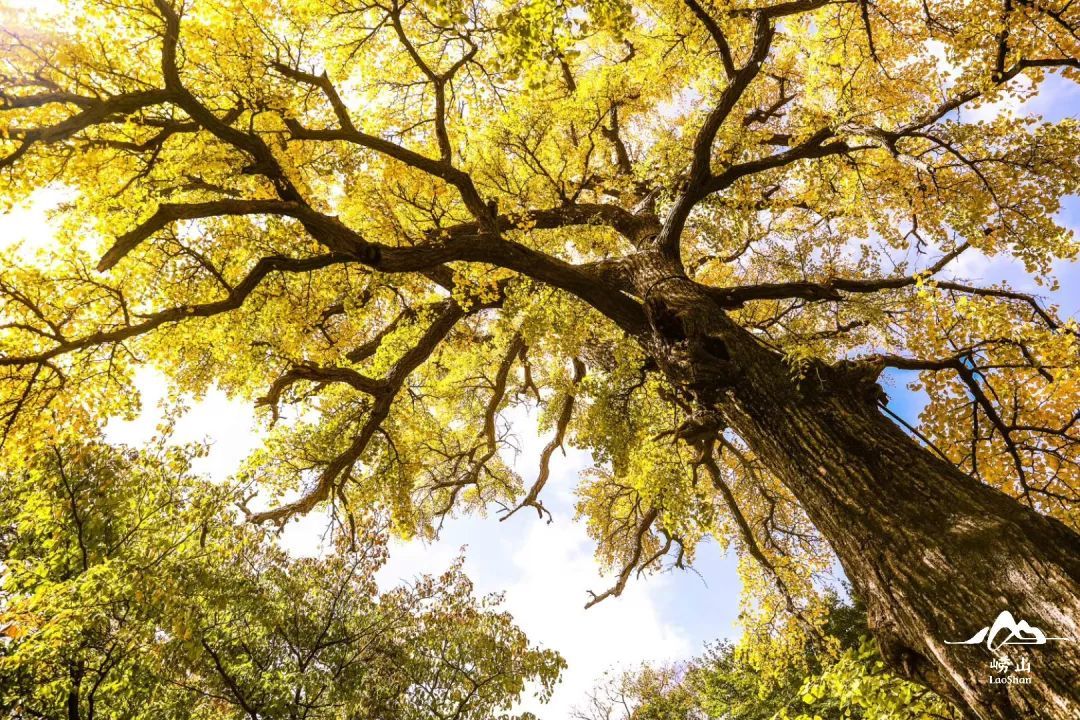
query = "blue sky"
x=986 y=271
x=1057 y=99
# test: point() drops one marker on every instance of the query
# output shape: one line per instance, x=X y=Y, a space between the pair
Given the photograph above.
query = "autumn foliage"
x=387 y=224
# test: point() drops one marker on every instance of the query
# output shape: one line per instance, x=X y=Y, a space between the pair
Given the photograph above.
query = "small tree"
x=127 y=591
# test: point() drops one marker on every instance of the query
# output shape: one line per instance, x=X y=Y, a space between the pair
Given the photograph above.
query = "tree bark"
x=936 y=554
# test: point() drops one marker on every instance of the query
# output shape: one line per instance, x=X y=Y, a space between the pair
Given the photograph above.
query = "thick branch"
x=93 y=114
x=460 y=244
x=319 y=374
x=717 y=35
x=264 y=161
x=700 y=167
x=627 y=570
x=334 y=235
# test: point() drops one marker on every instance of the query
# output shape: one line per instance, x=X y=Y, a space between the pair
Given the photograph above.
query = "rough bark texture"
x=936 y=554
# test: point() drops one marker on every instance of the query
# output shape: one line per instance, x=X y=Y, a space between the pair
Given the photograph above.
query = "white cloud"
x=306 y=536
x=554 y=566
x=228 y=424
x=544 y=572
x=1011 y=103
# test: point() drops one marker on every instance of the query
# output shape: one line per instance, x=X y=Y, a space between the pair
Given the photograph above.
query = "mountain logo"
x=1007 y=631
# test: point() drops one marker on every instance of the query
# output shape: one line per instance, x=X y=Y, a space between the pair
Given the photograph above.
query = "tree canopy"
x=388 y=223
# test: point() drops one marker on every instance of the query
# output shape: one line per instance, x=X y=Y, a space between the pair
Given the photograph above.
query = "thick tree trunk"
x=936 y=554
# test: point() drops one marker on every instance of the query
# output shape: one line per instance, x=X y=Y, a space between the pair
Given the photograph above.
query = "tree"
x=722 y=683
x=129 y=590
x=696 y=232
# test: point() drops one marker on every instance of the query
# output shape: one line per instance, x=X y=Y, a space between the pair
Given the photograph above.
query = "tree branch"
x=461 y=243
x=562 y=422
x=236 y=297
x=627 y=570
x=700 y=167
x=386 y=392
x=831 y=289
x=717 y=35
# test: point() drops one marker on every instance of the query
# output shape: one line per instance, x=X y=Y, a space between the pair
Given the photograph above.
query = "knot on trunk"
x=668 y=323
x=853 y=378
x=690 y=352
x=860 y=377
x=700 y=426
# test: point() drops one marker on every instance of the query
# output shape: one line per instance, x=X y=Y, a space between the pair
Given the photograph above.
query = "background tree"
x=129 y=591
x=695 y=232
x=724 y=683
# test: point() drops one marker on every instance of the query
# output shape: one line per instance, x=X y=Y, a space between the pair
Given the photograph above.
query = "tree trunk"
x=936 y=554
